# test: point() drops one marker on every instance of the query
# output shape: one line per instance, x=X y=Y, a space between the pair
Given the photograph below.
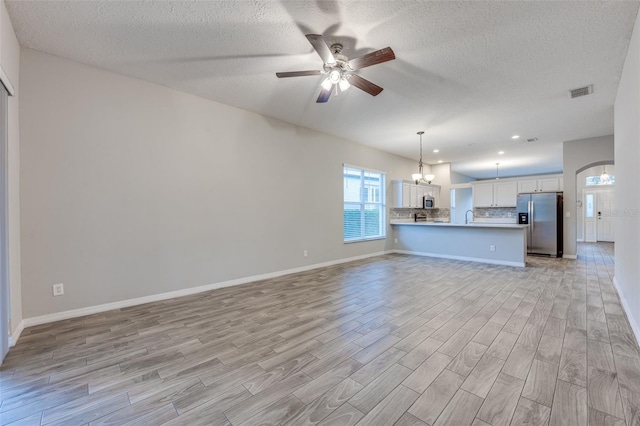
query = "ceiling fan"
x=340 y=70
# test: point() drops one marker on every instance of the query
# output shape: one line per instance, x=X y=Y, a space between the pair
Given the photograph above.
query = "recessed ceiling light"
x=515 y=137
x=500 y=152
x=436 y=150
x=439 y=161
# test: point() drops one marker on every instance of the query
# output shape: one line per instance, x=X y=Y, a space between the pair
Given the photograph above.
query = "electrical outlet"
x=395 y=241
x=58 y=289
x=492 y=247
x=305 y=253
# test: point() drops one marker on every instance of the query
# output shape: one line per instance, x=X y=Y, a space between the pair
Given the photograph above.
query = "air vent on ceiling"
x=532 y=139
x=581 y=91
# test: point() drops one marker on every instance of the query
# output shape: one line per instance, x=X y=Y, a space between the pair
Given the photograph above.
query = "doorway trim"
x=589 y=225
x=4 y=225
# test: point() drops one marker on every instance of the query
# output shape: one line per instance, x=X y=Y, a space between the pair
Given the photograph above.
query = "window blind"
x=364 y=204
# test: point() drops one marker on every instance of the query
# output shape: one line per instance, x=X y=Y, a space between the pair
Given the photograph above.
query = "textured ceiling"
x=471 y=74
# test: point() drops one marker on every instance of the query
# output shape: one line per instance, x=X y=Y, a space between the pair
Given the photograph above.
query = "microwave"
x=428 y=202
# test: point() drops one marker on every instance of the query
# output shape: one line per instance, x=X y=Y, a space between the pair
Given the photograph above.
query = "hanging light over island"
x=417 y=177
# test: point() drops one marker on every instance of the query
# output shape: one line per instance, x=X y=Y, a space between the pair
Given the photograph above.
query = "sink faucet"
x=466 y=215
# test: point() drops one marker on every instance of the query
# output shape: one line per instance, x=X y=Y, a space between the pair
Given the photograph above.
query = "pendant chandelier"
x=605 y=179
x=417 y=177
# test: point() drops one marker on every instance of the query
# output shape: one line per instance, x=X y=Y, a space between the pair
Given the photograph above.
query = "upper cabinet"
x=483 y=195
x=407 y=194
x=498 y=194
x=546 y=184
x=530 y=185
x=504 y=193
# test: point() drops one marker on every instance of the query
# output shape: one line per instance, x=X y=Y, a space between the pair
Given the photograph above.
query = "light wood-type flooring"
x=390 y=340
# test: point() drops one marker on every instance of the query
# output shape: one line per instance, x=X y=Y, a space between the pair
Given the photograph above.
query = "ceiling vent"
x=581 y=91
x=532 y=139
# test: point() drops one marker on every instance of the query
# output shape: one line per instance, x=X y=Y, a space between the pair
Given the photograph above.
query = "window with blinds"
x=364 y=204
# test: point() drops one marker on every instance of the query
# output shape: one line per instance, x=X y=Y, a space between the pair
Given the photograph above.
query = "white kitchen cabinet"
x=414 y=195
x=499 y=194
x=432 y=191
x=409 y=195
x=483 y=195
x=505 y=194
x=405 y=195
x=548 y=184
x=529 y=185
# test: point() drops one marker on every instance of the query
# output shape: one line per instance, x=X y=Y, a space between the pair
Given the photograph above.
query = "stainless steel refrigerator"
x=542 y=211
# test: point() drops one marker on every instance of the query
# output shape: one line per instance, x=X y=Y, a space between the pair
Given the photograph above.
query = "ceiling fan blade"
x=321 y=47
x=377 y=57
x=297 y=73
x=364 y=84
x=324 y=96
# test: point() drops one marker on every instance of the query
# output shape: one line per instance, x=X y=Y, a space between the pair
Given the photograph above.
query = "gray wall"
x=577 y=155
x=627 y=222
x=130 y=189
x=464 y=242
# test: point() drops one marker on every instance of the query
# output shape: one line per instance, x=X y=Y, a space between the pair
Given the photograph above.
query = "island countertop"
x=471 y=224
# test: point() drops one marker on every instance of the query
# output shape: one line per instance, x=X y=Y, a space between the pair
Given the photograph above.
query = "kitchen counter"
x=486 y=242
x=472 y=224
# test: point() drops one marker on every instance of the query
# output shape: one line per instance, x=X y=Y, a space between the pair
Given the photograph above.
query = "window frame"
x=595 y=185
x=362 y=204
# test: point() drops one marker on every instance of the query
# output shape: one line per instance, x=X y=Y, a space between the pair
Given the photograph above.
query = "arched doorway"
x=595 y=202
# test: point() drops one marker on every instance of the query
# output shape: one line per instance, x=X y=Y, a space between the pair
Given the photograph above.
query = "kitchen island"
x=496 y=243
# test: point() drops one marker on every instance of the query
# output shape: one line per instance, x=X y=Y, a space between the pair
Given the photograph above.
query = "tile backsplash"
x=508 y=212
x=404 y=213
x=445 y=214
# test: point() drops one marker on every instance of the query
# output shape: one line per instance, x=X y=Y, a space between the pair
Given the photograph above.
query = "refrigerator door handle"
x=532 y=220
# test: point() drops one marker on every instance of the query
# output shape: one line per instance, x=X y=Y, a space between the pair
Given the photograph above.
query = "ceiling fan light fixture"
x=344 y=84
x=326 y=84
x=335 y=76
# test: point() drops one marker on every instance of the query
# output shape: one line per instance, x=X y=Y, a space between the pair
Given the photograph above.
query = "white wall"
x=130 y=189
x=10 y=61
x=627 y=160
x=457 y=178
x=446 y=178
x=580 y=186
x=576 y=155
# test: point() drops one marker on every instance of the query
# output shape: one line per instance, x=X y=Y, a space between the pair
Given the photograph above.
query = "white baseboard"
x=570 y=256
x=90 y=310
x=15 y=335
x=635 y=324
x=470 y=259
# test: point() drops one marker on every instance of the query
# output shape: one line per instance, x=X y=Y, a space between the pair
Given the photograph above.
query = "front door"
x=604 y=208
